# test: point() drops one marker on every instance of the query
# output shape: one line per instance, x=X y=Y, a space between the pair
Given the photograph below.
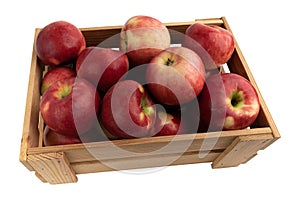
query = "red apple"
x=228 y=101
x=107 y=134
x=213 y=44
x=53 y=138
x=56 y=74
x=101 y=66
x=95 y=134
x=190 y=115
x=70 y=106
x=142 y=38
x=175 y=76
x=58 y=43
x=127 y=110
x=168 y=124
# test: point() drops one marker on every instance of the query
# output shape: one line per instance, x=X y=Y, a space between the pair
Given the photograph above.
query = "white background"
x=268 y=34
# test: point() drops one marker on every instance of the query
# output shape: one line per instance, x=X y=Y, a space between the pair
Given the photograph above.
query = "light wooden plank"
x=53 y=168
x=142 y=162
x=30 y=133
x=147 y=146
x=242 y=149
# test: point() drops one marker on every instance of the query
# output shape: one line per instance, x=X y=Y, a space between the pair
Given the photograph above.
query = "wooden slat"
x=242 y=149
x=147 y=146
x=142 y=162
x=238 y=64
x=211 y=21
x=30 y=136
x=40 y=177
x=53 y=168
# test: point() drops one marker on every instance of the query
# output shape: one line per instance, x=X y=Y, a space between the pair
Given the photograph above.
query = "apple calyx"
x=170 y=62
x=236 y=99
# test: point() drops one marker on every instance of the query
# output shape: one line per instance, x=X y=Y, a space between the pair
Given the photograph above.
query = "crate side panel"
x=242 y=149
x=96 y=36
x=135 y=151
x=30 y=135
x=142 y=162
x=148 y=146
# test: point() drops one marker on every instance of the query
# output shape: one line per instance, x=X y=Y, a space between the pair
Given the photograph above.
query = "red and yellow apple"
x=212 y=43
x=168 y=124
x=59 y=43
x=56 y=74
x=128 y=111
x=227 y=102
x=142 y=38
x=102 y=66
x=175 y=76
x=70 y=106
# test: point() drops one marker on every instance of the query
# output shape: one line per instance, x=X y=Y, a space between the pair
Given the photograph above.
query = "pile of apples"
x=146 y=88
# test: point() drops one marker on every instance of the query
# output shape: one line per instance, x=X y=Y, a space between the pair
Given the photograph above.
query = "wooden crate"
x=60 y=164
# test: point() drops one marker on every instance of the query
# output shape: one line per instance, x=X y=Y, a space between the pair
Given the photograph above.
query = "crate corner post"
x=53 y=168
x=241 y=150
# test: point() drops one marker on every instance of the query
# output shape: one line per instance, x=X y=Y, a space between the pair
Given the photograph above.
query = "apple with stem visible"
x=142 y=38
x=70 y=106
x=128 y=111
x=59 y=43
x=175 y=76
x=102 y=66
x=227 y=102
x=212 y=43
x=56 y=74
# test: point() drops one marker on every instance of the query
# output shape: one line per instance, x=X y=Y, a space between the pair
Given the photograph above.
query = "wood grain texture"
x=142 y=162
x=30 y=136
x=242 y=149
x=53 y=168
x=147 y=146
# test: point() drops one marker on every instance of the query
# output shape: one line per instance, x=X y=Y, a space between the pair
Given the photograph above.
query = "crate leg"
x=241 y=150
x=53 y=168
x=40 y=177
